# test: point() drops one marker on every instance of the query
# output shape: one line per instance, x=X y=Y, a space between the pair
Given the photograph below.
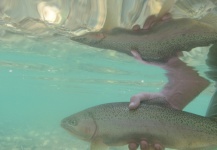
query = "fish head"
x=91 y=39
x=80 y=125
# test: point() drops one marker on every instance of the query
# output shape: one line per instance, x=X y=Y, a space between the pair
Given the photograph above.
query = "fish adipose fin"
x=98 y=145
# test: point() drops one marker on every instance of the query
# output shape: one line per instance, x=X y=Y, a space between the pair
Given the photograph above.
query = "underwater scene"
x=47 y=73
x=42 y=82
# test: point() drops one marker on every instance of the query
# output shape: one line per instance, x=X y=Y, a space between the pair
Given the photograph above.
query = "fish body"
x=159 y=43
x=113 y=124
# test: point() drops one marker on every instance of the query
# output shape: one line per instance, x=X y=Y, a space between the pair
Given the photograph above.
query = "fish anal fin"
x=98 y=145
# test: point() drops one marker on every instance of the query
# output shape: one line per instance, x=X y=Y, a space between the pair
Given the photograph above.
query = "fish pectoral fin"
x=98 y=145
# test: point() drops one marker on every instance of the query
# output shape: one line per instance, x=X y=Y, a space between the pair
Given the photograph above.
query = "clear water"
x=43 y=81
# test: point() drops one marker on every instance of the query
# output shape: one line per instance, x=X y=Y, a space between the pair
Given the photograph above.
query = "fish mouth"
x=64 y=125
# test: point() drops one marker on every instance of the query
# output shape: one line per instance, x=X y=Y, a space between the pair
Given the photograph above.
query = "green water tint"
x=45 y=77
x=42 y=82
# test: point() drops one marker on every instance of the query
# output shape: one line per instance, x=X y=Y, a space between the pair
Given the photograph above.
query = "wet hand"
x=134 y=103
x=136 y=99
x=145 y=146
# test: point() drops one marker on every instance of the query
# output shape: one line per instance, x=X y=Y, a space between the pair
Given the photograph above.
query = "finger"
x=167 y=16
x=158 y=147
x=136 y=55
x=136 y=27
x=149 y=22
x=134 y=102
x=133 y=146
x=144 y=145
x=136 y=99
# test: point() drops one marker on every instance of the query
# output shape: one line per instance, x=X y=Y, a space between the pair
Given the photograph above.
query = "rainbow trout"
x=113 y=124
x=159 y=43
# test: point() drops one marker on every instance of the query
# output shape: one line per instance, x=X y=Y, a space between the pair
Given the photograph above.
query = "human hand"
x=134 y=103
x=144 y=145
x=136 y=99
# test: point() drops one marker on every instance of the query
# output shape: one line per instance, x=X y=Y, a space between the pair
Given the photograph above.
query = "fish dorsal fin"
x=166 y=6
x=210 y=19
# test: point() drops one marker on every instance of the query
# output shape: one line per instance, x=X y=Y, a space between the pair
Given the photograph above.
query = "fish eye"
x=73 y=122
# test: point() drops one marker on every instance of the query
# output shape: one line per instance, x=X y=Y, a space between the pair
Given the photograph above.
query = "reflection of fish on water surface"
x=161 y=42
x=114 y=124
